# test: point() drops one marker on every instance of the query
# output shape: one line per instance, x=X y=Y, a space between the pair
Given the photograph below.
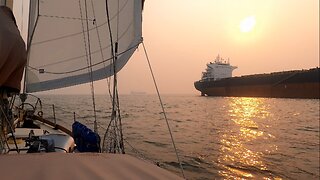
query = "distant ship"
x=138 y=93
x=217 y=80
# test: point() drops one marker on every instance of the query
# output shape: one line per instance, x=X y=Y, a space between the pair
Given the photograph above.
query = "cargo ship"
x=217 y=80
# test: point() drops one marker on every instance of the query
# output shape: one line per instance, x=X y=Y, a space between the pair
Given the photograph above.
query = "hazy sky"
x=181 y=36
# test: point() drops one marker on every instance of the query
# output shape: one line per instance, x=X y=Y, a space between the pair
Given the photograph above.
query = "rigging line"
x=9 y=124
x=118 y=22
x=116 y=51
x=84 y=36
x=164 y=113
x=24 y=88
x=109 y=87
x=111 y=38
x=119 y=118
x=108 y=21
x=11 y=104
x=64 y=17
x=101 y=49
x=21 y=22
x=134 y=149
x=98 y=34
x=114 y=55
x=116 y=105
x=90 y=70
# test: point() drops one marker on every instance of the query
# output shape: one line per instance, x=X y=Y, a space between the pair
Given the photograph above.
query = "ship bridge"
x=218 y=69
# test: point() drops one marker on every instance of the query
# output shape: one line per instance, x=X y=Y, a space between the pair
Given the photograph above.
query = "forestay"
x=70 y=40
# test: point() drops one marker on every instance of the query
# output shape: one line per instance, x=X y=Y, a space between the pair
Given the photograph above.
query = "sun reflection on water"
x=242 y=146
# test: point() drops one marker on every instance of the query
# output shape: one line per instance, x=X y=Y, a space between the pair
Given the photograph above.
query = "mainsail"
x=70 y=41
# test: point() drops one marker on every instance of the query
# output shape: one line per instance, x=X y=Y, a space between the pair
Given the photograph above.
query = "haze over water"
x=232 y=138
x=182 y=36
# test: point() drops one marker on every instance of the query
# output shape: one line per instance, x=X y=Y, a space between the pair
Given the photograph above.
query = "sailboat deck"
x=62 y=140
x=79 y=166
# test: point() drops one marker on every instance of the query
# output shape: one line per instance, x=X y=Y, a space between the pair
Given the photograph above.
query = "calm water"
x=230 y=138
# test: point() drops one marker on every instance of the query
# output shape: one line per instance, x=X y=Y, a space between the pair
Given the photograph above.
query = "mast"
x=20 y=9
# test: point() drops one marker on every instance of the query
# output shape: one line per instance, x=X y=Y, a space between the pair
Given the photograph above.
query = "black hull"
x=289 y=84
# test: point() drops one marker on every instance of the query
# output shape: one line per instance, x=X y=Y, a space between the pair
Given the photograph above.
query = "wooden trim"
x=56 y=126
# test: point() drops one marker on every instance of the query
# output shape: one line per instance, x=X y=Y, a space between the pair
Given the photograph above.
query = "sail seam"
x=74 y=34
x=64 y=17
x=67 y=72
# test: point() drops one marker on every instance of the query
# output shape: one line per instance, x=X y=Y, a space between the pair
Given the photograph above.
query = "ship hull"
x=290 y=84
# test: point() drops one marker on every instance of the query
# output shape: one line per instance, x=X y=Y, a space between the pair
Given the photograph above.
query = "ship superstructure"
x=218 y=69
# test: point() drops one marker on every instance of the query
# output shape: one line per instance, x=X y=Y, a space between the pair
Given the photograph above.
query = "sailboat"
x=69 y=43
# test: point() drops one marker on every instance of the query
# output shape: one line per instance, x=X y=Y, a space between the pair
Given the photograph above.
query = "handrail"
x=57 y=126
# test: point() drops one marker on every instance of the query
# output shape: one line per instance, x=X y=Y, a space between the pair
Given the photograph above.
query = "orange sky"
x=181 y=36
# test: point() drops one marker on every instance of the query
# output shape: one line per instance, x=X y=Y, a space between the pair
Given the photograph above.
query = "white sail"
x=69 y=41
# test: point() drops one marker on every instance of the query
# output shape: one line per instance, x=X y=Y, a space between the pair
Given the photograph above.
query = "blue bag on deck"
x=86 y=140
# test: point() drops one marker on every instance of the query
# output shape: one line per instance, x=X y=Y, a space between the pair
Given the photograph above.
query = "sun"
x=247 y=24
